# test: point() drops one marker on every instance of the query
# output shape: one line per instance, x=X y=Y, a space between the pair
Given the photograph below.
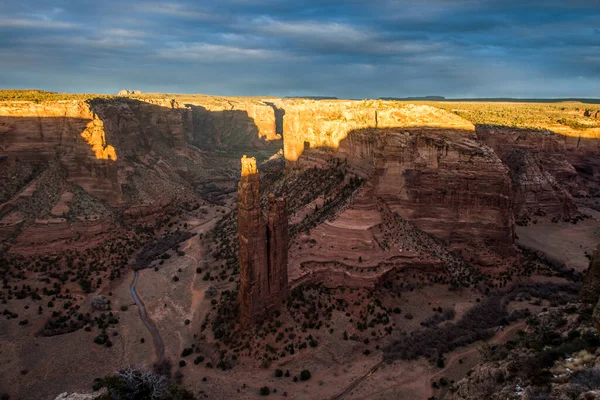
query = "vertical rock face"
x=66 y=131
x=425 y=163
x=590 y=289
x=310 y=123
x=277 y=241
x=263 y=248
x=253 y=250
x=230 y=123
x=440 y=179
x=540 y=173
x=102 y=142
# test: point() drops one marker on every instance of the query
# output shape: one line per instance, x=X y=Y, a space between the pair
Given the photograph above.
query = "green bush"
x=198 y=360
x=264 y=391
x=305 y=375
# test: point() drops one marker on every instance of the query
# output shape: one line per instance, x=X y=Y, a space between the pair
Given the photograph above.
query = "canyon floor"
x=339 y=368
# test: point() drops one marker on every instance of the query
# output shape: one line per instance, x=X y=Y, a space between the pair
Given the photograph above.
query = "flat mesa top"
x=248 y=165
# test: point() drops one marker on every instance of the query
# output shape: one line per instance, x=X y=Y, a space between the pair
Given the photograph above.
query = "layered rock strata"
x=263 y=248
x=123 y=152
x=310 y=123
x=425 y=163
x=590 y=289
x=540 y=172
x=440 y=179
x=231 y=123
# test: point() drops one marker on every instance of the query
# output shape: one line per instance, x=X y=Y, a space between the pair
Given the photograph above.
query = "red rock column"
x=252 y=237
x=277 y=237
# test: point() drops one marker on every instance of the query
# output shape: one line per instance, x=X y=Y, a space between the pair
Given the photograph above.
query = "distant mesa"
x=437 y=98
x=126 y=92
x=312 y=97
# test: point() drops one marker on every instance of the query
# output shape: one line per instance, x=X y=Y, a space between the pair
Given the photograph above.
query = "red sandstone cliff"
x=541 y=174
x=425 y=163
x=440 y=179
x=326 y=123
x=69 y=161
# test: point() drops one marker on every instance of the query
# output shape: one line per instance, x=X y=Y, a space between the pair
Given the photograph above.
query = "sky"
x=348 y=49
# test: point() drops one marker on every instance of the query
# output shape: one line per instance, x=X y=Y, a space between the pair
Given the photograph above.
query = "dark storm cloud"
x=328 y=47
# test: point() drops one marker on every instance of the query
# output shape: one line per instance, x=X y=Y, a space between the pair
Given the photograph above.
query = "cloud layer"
x=351 y=48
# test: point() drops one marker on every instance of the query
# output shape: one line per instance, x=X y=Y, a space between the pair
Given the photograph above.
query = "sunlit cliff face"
x=40 y=127
x=94 y=136
x=309 y=123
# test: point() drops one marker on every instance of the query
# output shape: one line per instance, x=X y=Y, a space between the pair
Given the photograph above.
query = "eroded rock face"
x=425 y=163
x=96 y=141
x=310 y=123
x=590 y=289
x=67 y=163
x=65 y=130
x=539 y=170
x=263 y=249
x=440 y=179
x=231 y=123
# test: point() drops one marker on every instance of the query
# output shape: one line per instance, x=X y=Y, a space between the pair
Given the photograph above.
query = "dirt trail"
x=197 y=295
x=358 y=381
x=159 y=347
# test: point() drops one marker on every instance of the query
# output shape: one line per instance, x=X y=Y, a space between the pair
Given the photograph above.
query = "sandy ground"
x=563 y=241
x=339 y=368
x=67 y=362
x=71 y=362
x=335 y=364
x=170 y=304
x=413 y=380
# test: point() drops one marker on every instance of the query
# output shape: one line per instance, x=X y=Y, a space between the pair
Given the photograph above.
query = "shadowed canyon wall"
x=441 y=179
x=231 y=123
x=431 y=166
x=66 y=164
x=100 y=141
x=326 y=123
x=547 y=169
x=590 y=289
x=538 y=168
x=67 y=130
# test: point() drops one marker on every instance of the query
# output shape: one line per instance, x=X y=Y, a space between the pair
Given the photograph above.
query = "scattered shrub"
x=305 y=375
x=264 y=391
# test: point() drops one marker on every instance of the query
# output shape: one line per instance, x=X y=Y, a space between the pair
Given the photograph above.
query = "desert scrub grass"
x=42 y=95
x=525 y=115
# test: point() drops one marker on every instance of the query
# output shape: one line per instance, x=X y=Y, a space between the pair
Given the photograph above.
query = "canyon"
x=326 y=249
x=68 y=164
